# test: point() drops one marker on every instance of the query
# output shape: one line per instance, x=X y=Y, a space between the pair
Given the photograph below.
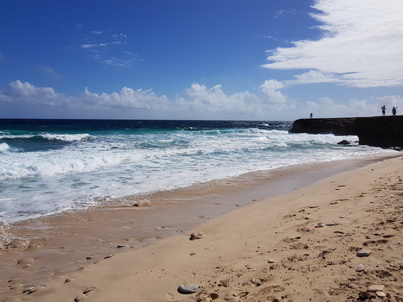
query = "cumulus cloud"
x=126 y=98
x=270 y=88
x=214 y=99
x=389 y=101
x=326 y=107
x=362 y=45
x=198 y=101
x=27 y=93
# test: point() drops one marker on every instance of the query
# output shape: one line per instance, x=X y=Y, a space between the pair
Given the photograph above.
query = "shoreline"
x=80 y=240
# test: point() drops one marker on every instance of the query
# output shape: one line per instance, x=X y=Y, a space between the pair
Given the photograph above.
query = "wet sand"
x=56 y=247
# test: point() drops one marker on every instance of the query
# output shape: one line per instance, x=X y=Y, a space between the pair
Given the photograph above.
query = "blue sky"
x=207 y=59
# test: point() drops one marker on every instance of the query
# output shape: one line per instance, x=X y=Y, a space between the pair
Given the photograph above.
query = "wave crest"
x=47 y=137
x=4 y=147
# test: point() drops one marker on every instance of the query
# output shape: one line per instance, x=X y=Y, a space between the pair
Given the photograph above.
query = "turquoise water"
x=49 y=166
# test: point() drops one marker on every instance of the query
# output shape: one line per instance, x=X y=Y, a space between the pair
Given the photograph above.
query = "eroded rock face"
x=338 y=126
x=379 y=131
x=383 y=131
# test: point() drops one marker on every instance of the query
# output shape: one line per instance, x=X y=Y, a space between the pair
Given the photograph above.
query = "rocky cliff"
x=379 y=131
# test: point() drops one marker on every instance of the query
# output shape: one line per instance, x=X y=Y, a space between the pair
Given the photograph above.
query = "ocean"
x=51 y=166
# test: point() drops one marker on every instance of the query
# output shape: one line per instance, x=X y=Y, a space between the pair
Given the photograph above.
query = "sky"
x=273 y=60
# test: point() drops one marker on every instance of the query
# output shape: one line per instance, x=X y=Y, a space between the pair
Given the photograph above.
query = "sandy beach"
x=338 y=239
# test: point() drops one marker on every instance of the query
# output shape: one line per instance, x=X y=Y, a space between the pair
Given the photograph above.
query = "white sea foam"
x=66 y=137
x=104 y=167
x=48 y=136
x=4 y=147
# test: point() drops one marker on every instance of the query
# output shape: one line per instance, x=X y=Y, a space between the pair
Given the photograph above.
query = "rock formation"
x=379 y=131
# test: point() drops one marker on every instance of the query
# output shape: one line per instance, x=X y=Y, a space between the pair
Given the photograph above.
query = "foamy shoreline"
x=177 y=260
x=58 y=165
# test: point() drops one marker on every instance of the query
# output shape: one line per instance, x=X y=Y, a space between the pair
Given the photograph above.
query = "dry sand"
x=300 y=246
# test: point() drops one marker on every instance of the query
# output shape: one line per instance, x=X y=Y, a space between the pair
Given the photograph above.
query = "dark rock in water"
x=377 y=131
x=343 y=142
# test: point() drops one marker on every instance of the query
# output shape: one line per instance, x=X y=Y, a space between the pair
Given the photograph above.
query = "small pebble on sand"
x=188 y=289
x=363 y=253
x=360 y=268
x=375 y=288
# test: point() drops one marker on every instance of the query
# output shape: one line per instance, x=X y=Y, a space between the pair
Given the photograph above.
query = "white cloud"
x=362 y=45
x=270 y=90
x=314 y=76
x=118 y=36
x=266 y=37
x=28 y=93
x=389 y=101
x=125 y=59
x=86 y=46
x=282 y=12
x=215 y=100
x=127 y=98
x=328 y=107
x=197 y=102
x=108 y=49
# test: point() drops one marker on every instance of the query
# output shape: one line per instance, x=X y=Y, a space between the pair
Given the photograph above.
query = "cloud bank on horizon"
x=352 y=68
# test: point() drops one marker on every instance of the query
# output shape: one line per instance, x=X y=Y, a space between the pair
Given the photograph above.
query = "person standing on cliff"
x=394 y=110
x=383 y=109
